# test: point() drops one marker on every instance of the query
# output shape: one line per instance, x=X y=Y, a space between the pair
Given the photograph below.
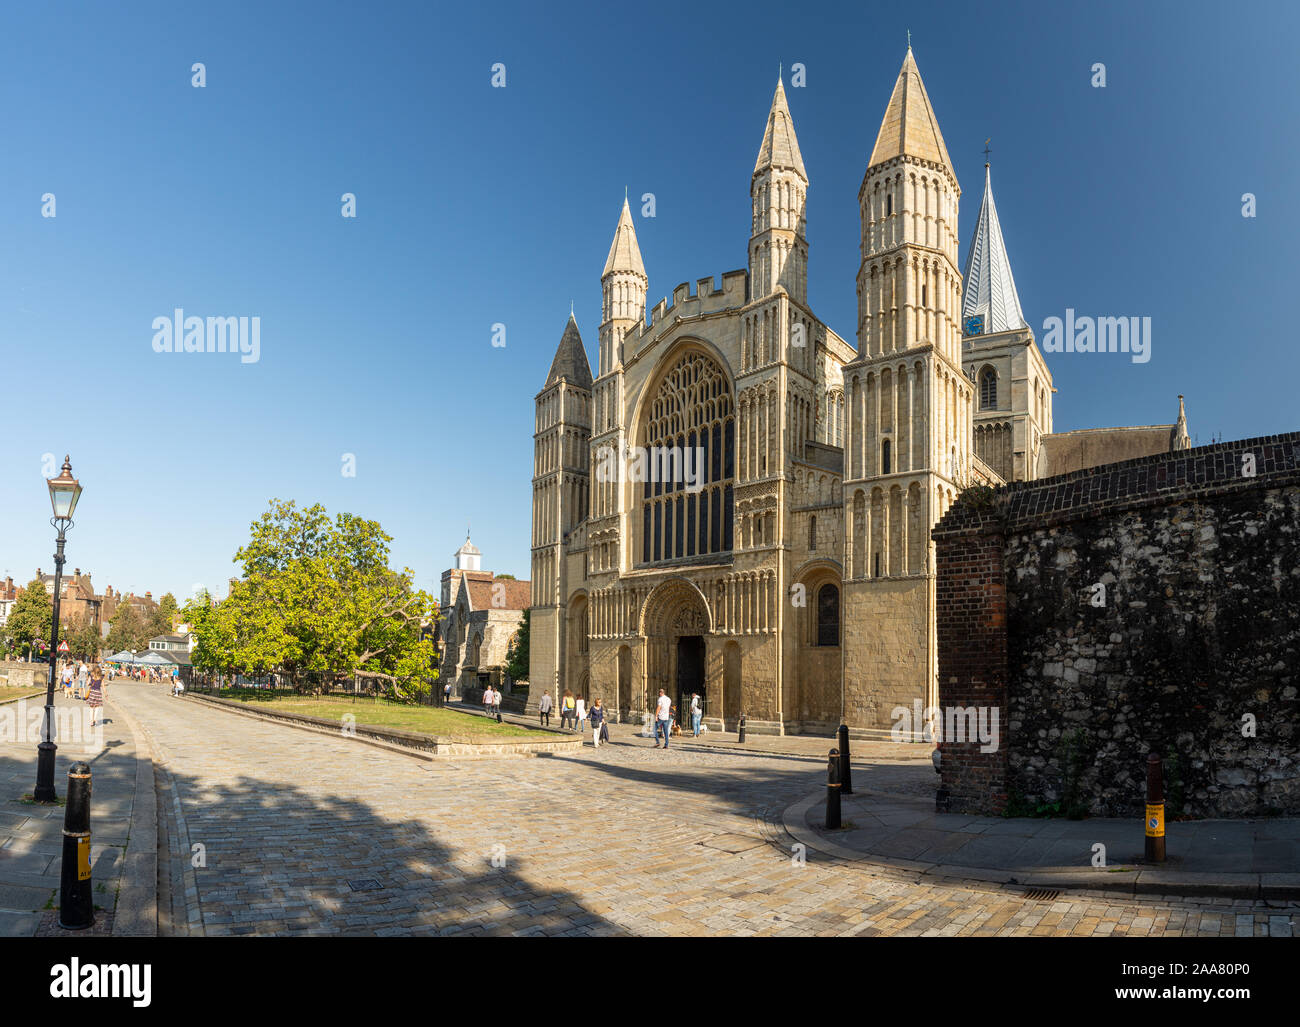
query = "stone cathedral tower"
x=907 y=449
x=560 y=491
x=789 y=575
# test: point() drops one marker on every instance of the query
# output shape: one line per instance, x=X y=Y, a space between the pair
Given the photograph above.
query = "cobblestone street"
x=302 y=833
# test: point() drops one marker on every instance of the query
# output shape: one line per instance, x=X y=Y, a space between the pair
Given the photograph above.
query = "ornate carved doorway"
x=675 y=621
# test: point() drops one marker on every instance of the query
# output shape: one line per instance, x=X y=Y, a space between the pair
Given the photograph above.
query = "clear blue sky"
x=479 y=205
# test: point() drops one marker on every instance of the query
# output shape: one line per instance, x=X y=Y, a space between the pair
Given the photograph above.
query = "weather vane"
x=986 y=150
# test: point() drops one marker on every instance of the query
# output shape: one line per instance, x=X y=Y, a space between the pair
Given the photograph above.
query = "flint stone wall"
x=1199 y=631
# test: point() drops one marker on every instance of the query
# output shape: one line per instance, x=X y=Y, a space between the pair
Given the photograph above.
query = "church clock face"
x=974 y=325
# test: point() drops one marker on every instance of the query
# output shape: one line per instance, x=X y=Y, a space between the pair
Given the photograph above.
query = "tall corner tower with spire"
x=561 y=493
x=1013 y=387
x=907 y=452
x=623 y=297
x=778 y=243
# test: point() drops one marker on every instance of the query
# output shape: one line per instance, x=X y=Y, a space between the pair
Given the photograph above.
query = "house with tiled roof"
x=480 y=613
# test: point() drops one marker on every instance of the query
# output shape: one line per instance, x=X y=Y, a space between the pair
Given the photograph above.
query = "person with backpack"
x=598 y=730
x=697 y=712
x=568 y=709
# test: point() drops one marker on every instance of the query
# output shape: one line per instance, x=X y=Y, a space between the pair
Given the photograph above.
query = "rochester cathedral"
x=789 y=574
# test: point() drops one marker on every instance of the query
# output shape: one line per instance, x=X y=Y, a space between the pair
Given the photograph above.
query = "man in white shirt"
x=662 y=715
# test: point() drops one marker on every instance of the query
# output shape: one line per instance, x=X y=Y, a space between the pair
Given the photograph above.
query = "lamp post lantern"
x=64 y=493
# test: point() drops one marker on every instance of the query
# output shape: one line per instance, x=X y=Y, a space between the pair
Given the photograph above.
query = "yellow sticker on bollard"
x=83 y=859
x=1156 y=821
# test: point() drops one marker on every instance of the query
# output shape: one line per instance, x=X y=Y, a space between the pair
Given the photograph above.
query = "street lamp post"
x=64 y=493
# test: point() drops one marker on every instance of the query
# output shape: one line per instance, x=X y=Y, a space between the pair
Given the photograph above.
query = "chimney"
x=76 y=573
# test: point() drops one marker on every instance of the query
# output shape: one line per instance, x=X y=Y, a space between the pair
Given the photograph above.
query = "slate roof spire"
x=570 y=361
x=988 y=287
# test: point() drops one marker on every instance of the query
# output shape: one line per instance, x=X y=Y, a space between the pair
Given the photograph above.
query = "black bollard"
x=741 y=736
x=846 y=773
x=833 y=790
x=1155 y=819
x=76 y=900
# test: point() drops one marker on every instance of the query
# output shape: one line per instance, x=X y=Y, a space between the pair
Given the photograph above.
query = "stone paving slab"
x=1205 y=858
x=621 y=840
x=31 y=836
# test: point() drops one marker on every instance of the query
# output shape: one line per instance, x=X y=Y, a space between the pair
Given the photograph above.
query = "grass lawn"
x=425 y=720
x=18 y=693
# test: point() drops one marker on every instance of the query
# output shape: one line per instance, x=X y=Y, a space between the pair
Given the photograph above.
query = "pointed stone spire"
x=989 y=289
x=780 y=148
x=570 y=361
x=624 y=253
x=909 y=126
x=1178 y=438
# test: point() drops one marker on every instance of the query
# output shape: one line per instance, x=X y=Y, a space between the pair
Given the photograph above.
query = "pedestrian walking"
x=544 y=709
x=95 y=697
x=597 y=718
x=697 y=712
x=487 y=700
x=446 y=693
x=496 y=703
x=83 y=675
x=67 y=680
x=663 y=718
x=582 y=713
x=568 y=709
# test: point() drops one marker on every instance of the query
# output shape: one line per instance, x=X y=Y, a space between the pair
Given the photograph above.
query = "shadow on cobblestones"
x=277 y=857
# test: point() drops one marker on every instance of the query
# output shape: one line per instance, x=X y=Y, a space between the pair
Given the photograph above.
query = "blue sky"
x=479 y=205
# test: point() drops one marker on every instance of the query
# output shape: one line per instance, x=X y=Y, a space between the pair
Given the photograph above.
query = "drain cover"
x=1042 y=895
x=733 y=843
x=367 y=884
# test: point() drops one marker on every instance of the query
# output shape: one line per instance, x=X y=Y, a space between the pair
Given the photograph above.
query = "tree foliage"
x=31 y=615
x=127 y=629
x=84 y=641
x=318 y=603
x=517 y=653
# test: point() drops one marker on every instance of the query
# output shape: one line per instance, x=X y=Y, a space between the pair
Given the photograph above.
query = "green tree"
x=127 y=629
x=159 y=622
x=517 y=653
x=318 y=602
x=84 y=641
x=31 y=615
x=168 y=607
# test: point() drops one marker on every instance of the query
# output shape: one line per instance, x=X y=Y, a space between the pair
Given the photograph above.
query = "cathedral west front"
x=782 y=568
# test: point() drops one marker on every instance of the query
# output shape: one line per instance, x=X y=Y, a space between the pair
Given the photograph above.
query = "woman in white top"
x=582 y=714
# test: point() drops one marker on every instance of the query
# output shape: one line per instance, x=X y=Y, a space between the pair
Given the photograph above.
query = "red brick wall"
x=971 y=611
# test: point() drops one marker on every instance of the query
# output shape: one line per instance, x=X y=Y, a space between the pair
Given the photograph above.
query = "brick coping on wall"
x=1147 y=480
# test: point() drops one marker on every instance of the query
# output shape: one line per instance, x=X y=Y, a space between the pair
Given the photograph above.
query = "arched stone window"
x=812 y=533
x=689 y=445
x=828 y=615
x=885 y=465
x=988 y=389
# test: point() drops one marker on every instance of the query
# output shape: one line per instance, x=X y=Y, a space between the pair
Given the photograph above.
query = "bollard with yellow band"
x=1155 y=818
x=833 y=790
x=76 y=896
